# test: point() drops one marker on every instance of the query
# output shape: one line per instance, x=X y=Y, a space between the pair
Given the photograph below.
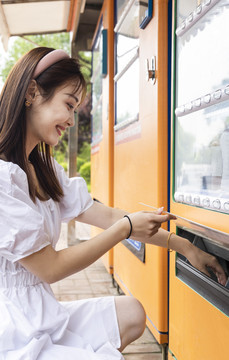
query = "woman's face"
x=46 y=120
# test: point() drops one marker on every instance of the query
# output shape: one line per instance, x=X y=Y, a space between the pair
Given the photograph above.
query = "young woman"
x=37 y=104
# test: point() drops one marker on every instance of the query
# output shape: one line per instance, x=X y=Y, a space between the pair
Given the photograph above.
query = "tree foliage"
x=84 y=117
x=22 y=45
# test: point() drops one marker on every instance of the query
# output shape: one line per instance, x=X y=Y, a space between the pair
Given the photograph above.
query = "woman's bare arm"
x=106 y=216
x=50 y=265
x=101 y=215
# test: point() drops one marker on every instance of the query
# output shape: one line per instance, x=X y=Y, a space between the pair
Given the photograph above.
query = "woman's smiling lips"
x=59 y=128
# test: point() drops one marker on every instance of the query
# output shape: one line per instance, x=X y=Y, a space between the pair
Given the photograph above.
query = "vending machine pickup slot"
x=207 y=287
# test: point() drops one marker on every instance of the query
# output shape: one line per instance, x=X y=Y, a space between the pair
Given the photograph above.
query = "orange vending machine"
x=199 y=305
x=140 y=148
x=103 y=114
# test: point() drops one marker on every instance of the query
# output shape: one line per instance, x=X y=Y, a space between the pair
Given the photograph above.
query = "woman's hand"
x=145 y=224
x=202 y=260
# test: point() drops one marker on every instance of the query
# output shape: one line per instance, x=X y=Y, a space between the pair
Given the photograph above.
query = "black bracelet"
x=130 y=225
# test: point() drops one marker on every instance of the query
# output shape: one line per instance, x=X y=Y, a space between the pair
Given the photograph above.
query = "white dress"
x=33 y=324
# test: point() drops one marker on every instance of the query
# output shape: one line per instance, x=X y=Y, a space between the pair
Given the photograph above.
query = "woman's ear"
x=32 y=91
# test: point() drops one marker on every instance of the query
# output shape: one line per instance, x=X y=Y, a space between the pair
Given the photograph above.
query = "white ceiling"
x=27 y=17
x=32 y=17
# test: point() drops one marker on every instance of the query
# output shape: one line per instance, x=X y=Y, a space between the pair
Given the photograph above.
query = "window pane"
x=128 y=37
x=127 y=100
x=97 y=123
x=97 y=89
x=127 y=63
x=120 y=5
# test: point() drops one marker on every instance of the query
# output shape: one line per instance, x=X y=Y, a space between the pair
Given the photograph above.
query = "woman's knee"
x=137 y=314
x=131 y=318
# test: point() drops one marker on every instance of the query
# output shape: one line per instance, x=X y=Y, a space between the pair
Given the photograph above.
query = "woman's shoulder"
x=11 y=175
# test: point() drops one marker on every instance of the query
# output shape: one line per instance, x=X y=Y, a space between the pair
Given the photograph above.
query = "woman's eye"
x=70 y=106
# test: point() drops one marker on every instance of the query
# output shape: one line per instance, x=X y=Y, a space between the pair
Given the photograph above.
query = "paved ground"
x=94 y=282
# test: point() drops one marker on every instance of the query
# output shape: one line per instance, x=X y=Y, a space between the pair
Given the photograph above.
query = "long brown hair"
x=13 y=119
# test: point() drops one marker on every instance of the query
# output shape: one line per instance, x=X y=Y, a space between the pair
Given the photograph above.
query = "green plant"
x=84 y=156
x=85 y=151
x=80 y=162
x=85 y=171
x=60 y=151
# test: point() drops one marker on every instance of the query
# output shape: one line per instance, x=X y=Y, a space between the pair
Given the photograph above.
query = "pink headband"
x=48 y=60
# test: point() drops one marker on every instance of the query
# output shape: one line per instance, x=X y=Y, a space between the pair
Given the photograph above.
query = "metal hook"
x=151 y=73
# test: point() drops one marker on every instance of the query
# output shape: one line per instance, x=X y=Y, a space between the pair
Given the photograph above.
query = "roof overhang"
x=85 y=23
x=29 y=17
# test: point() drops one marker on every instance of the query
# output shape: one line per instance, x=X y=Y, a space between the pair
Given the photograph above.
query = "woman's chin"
x=52 y=142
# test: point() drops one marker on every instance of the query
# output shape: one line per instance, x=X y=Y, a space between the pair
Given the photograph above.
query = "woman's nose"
x=71 y=120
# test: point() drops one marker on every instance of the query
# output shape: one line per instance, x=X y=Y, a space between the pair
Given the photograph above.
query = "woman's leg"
x=131 y=319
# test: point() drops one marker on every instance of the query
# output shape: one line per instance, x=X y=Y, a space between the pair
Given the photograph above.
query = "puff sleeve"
x=22 y=226
x=76 y=198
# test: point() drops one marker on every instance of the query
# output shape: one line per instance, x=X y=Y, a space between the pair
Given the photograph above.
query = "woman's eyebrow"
x=74 y=97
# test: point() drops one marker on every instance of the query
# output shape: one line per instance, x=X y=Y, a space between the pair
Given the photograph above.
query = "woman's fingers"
x=218 y=270
x=160 y=211
x=202 y=261
x=146 y=224
x=157 y=218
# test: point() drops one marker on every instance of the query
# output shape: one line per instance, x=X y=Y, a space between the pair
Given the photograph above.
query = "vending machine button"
x=226 y=206
x=190 y=17
x=188 y=106
x=206 y=202
x=180 y=110
x=188 y=199
x=198 y=9
x=207 y=98
x=216 y=204
x=183 y=25
x=226 y=90
x=196 y=200
x=197 y=102
x=217 y=94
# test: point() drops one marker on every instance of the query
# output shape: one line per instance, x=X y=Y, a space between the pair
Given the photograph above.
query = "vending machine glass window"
x=207 y=286
x=202 y=110
x=127 y=61
x=97 y=55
